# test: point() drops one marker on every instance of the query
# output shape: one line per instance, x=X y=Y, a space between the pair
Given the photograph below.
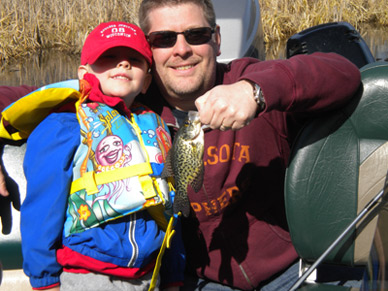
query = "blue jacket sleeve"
x=48 y=169
x=174 y=259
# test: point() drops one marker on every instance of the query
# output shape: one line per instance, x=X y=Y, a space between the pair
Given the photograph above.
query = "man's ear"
x=147 y=82
x=218 y=39
x=82 y=70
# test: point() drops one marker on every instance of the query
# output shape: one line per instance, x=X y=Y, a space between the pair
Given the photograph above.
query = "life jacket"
x=105 y=186
x=117 y=166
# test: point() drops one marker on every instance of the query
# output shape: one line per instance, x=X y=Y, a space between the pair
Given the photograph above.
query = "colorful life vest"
x=117 y=166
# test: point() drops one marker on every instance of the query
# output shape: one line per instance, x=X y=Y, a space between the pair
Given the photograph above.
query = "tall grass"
x=27 y=26
x=283 y=18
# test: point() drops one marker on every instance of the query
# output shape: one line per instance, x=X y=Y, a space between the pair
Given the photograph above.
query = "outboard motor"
x=241 y=29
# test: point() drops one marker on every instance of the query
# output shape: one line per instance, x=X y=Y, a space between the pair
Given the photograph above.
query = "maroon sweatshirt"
x=237 y=233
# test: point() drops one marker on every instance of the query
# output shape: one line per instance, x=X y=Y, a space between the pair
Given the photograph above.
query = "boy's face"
x=122 y=72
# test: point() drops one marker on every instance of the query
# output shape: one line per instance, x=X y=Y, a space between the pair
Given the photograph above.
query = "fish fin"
x=197 y=183
x=182 y=204
x=167 y=169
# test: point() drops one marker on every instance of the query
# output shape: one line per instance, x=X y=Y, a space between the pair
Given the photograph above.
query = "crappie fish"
x=184 y=161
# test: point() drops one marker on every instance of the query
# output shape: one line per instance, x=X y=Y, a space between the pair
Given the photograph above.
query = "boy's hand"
x=3 y=187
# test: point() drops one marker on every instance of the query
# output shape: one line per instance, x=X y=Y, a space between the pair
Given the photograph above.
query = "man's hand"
x=3 y=187
x=227 y=106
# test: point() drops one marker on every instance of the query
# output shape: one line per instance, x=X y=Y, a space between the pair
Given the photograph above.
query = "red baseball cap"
x=113 y=34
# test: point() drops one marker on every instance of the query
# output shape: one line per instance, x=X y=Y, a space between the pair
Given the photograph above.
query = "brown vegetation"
x=27 y=26
x=283 y=18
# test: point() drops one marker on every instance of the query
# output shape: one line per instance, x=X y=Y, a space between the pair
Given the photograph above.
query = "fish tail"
x=182 y=204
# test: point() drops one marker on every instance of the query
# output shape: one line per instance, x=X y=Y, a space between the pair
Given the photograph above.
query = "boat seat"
x=337 y=165
x=340 y=37
x=376 y=275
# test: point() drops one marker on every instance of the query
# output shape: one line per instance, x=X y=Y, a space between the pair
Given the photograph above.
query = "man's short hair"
x=148 y=5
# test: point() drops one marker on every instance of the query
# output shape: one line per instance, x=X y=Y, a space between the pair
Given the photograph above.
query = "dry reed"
x=28 y=26
x=283 y=18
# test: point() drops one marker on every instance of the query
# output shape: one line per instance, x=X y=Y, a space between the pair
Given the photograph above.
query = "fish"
x=184 y=161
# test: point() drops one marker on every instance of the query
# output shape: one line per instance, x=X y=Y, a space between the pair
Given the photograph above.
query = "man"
x=237 y=232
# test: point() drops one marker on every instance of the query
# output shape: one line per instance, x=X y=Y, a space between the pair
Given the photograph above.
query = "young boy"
x=94 y=217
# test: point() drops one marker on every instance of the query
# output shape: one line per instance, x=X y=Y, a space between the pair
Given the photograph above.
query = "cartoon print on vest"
x=110 y=153
x=109 y=141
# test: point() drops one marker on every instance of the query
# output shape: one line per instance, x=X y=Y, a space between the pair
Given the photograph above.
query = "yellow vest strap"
x=147 y=184
x=157 y=213
x=166 y=244
x=90 y=180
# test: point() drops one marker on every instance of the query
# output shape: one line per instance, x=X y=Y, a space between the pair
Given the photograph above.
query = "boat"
x=338 y=208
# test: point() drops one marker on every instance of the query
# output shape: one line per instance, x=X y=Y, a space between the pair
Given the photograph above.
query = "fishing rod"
x=360 y=216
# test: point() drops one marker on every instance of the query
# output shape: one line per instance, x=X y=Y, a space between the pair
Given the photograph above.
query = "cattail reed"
x=30 y=26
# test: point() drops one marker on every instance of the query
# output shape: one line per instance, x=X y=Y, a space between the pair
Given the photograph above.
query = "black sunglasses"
x=166 y=39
